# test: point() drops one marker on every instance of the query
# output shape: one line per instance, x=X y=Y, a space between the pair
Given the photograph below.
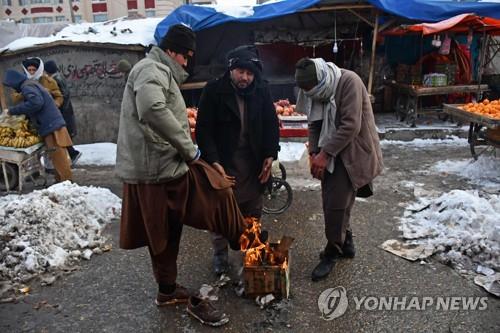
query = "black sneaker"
x=75 y=157
x=205 y=312
x=221 y=264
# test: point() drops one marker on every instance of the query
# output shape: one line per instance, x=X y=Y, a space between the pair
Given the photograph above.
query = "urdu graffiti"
x=101 y=70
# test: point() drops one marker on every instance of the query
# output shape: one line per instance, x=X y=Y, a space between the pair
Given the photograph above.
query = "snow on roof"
x=119 y=31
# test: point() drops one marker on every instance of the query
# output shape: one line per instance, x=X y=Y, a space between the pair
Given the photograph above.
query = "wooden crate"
x=267 y=279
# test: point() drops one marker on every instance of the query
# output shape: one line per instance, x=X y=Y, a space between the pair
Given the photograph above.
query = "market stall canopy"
x=436 y=10
x=458 y=24
x=203 y=17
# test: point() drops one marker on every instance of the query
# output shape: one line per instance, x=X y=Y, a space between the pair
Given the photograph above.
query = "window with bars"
x=100 y=17
x=43 y=19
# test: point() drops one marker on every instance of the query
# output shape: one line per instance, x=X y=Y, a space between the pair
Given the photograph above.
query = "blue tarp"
x=435 y=10
x=201 y=17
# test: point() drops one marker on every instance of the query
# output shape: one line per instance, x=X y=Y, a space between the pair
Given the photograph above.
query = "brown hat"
x=305 y=73
x=180 y=39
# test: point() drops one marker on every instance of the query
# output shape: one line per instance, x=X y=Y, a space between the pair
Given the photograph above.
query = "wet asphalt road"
x=114 y=292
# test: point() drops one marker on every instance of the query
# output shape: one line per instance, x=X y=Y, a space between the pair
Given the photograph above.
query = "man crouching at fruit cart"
x=165 y=184
x=238 y=133
x=40 y=107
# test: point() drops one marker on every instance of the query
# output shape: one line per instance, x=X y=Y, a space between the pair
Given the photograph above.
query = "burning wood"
x=259 y=253
x=265 y=265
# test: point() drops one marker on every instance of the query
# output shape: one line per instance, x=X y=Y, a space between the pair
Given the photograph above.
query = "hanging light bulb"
x=335 y=48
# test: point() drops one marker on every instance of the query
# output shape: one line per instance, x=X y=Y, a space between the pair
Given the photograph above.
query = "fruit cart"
x=20 y=163
x=483 y=130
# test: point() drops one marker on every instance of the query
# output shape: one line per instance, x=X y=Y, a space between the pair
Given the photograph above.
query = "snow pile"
x=485 y=171
x=291 y=151
x=103 y=153
x=119 y=31
x=52 y=228
x=460 y=226
x=419 y=143
x=233 y=9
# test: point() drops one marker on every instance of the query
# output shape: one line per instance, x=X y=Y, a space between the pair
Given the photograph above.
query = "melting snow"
x=462 y=226
x=53 y=228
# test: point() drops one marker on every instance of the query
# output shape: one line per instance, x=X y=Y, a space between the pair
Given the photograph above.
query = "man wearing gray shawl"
x=344 y=148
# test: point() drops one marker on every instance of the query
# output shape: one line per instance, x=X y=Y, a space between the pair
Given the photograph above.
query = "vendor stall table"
x=482 y=130
x=293 y=126
x=407 y=103
x=27 y=160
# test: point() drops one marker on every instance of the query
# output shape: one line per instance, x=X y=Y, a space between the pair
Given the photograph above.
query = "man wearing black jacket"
x=237 y=132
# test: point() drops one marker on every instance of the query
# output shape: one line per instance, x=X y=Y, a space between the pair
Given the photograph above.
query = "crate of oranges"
x=486 y=108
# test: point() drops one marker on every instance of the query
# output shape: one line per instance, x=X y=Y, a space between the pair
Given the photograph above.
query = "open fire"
x=265 y=264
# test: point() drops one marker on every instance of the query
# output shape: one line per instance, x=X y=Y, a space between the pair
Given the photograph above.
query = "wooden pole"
x=372 y=59
x=3 y=102
x=71 y=11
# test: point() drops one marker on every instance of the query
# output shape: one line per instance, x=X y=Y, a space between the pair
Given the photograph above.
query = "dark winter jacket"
x=67 y=106
x=38 y=105
x=218 y=124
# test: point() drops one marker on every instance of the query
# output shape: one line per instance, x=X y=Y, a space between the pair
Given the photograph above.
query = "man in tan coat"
x=344 y=148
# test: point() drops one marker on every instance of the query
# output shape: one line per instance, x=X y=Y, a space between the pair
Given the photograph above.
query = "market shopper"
x=165 y=184
x=40 y=107
x=238 y=134
x=34 y=70
x=344 y=148
x=66 y=108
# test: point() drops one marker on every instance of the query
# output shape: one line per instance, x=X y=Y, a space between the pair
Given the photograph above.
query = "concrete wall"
x=96 y=84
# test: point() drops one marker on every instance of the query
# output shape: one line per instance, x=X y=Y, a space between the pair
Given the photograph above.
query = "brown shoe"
x=205 y=312
x=180 y=295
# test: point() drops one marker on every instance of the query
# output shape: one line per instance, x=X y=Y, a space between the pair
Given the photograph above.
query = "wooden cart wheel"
x=476 y=140
x=12 y=176
x=411 y=107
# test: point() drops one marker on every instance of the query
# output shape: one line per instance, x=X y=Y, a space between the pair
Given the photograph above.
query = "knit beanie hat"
x=245 y=56
x=50 y=67
x=179 y=39
x=305 y=73
x=124 y=66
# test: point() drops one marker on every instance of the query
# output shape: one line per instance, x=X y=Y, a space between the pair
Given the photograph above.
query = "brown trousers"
x=251 y=208
x=56 y=143
x=338 y=198
x=153 y=215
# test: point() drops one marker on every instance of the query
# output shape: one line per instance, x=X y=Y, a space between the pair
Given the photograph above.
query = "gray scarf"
x=319 y=102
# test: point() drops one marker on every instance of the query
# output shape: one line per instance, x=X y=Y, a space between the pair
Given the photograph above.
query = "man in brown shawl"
x=344 y=148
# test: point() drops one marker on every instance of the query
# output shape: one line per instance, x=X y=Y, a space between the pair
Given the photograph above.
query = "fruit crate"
x=261 y=280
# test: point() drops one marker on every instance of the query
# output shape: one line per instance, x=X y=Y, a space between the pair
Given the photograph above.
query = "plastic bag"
x=14 y=122
x=446 y=46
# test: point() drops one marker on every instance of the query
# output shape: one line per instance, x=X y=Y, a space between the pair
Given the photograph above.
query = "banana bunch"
x=21 y=137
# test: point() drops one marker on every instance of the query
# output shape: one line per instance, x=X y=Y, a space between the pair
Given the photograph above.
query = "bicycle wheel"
x=277 y=196
x=283 y=171
x=12 y=177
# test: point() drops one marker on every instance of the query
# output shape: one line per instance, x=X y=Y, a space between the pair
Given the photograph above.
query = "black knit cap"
x=31 y=62
x=179 y=39
x=246 y=57
x=50 y=67
x=305 y=73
